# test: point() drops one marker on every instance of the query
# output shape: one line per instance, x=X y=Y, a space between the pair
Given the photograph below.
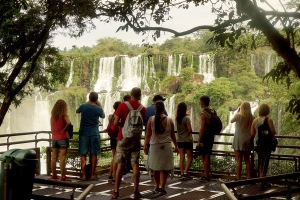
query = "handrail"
x=233 y=195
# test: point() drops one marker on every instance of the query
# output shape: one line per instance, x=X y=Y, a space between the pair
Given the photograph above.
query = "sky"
x=183 y=19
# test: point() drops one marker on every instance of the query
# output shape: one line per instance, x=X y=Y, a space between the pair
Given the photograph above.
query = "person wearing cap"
x=150 y=110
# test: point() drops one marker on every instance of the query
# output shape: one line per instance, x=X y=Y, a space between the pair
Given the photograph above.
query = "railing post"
x=48 y=160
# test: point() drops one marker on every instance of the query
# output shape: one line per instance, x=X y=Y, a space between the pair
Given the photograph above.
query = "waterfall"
x=206 y=68
x=179 y=64
x=105 y=74
x=252 y=61
x=269 y=63
x=145 y=74
x=144 y=100
x=70 y=79
x=171 y=65
x=170 y=107
x=230 y=128
x=107 y=101
x=192 y=61
x=130 y=73
x=42 y=115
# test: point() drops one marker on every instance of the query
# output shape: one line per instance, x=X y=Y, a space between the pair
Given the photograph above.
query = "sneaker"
x=115 y=195
x=110 y=179
x=162 y=191
x=204 y=178
x=181 y=177
x=187 y=176
x=54 y=177
x=65 y=179
x=156 y=190
x=137 y=195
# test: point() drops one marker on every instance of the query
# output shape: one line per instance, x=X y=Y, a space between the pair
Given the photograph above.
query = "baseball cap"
x=158 y=97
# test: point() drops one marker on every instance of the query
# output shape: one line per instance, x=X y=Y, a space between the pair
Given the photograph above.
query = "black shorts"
x=113 y=143
x=185 y=145
x=208 y=141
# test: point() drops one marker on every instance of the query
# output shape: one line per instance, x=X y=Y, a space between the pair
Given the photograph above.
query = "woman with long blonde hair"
x=241 y=141
x=59 y=123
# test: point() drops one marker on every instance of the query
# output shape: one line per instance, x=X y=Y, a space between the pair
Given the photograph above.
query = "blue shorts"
x=60 y=144
x=87 y=143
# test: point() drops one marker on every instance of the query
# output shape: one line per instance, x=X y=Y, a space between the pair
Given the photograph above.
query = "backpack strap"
x=128 y=105
x=266 y=121
x=140 y=108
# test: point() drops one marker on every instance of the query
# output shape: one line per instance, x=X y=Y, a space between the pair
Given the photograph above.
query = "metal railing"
x=223 y=161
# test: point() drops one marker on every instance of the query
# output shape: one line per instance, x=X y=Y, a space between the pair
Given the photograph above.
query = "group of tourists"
x=129 y=119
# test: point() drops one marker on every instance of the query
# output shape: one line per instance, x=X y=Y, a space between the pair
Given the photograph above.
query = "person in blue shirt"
x=150 y=110
x=89 y=138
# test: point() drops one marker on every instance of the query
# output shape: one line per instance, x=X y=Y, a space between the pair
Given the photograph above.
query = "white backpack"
x=134 y=122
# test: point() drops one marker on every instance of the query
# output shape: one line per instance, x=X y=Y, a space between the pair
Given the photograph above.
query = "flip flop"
x=93 y=178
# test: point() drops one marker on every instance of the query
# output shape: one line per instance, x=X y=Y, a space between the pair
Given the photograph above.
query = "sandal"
x=115 y=195
x=65 y=179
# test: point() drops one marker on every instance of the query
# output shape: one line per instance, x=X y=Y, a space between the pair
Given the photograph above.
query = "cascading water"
x=230 y=128
x=105 y=74
x=70 y=79
x=172 y=65
x=206 y=68
x=131 y=71
x=170 y=107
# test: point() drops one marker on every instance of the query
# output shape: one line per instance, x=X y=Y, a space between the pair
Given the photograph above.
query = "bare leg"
x=111 y=169
x=53 y=160
x=238 y=159
x=94 y=164
x=156 y=177
x=181 y=160
x=83 y=163
x=189 y=153
x=62 y=162
x=118 y=178
x=248 y=164
x=163 y=178
x=206 y=163
x=136 y=177
x=115 y=166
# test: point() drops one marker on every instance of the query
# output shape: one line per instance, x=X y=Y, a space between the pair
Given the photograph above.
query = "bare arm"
x=67 y=121
x=271 y=125
x=173 y=137
x=148 y=135
x=189 y=126
x=202 y=129
x=233 y=119
x=117 y=119
x=253 y=129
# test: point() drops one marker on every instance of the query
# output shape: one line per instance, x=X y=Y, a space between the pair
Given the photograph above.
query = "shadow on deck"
x=176 y=188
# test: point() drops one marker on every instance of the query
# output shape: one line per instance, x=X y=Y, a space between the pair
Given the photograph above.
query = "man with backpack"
x=206 y=134
x=131 y=114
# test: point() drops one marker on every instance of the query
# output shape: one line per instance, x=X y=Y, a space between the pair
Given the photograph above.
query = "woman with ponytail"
x=160 y=134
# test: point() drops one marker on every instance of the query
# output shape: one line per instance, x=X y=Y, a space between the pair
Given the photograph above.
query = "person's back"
x=89 y=123
x=165 y=135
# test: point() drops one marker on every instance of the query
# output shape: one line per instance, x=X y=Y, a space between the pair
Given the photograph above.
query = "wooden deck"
x=176 y=188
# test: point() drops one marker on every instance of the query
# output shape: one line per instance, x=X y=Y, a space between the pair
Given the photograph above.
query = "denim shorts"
x=87 y=143
x=60 y=144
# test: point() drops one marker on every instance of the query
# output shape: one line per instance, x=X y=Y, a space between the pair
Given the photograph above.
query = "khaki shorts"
x=128 y=150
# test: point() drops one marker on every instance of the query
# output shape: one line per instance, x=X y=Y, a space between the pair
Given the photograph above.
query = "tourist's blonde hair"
x=59 y=109
x=246 y=115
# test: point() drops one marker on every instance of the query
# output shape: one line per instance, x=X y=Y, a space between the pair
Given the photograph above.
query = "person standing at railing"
x=129 y=139
x=113 y=146
x=59 y=123
x=160 y=134
x=241 y=140
x=89 y=137
x=263 y=150
x=184 y=139
x=206 y=139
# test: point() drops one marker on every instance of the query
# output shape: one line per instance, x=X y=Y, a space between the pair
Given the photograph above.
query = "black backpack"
x=215 y=125
x=265 y=137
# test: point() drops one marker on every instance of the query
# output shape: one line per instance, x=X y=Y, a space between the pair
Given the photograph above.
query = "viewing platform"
x=177 y=189
x=283 y=173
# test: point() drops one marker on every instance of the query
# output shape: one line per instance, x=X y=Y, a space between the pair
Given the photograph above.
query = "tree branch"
x=177 y=34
